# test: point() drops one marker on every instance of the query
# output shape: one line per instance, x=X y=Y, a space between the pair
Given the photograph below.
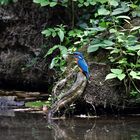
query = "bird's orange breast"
x=76 y=60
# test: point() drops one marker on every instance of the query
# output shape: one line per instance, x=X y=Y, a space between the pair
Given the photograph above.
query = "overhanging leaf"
x=41 y=2
x=103 y=11
x=116 y=71
x=63 y=50
x=124 y=8
x=46 y=32
x=108 y=42
x=121 y=76
x=35 y=104
x=137 y=77
x=133 y=48
x=61 y=35
x=124 y=17
x=138 y=53
x=133 y=73
x=95 y=47
x=51 y=50
x=52 y=4
x=44 y=3
x=54 y=62
x=135 y=28
x=113 y=3
x=110 y=76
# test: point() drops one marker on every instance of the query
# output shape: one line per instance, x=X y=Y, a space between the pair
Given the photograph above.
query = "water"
x=25 y=126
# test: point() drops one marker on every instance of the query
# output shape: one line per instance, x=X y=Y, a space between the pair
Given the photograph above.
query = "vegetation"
x=40 y=104
x=4 y=2
x=99 y=24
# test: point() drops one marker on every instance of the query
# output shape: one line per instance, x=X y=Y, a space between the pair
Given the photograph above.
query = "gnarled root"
x=70 y=95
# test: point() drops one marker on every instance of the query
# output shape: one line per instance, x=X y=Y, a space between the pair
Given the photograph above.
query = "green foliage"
x=116 y=73
x=133 y=93
x=4 y=2
x=56 y=31
x=38 y=104
x=99 y=24
x=35 y=104
x=58 y=61
x=51 y=3
x=135 y=75
x=125 y=54
x=45 y=2
x=99 y=44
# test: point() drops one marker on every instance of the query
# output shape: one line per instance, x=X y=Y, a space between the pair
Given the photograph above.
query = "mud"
x=21 y=46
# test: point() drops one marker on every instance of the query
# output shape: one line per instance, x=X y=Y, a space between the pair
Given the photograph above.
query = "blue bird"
x=82 y=64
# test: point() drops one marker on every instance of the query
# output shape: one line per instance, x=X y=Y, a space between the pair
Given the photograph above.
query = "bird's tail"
x=87 y=75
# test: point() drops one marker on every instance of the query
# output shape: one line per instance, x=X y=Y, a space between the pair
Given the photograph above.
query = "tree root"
x=68 y=96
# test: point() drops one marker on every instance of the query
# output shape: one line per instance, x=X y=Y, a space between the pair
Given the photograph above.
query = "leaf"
x=110 y=76
x=36 y=1
x=124 y=8
x=122 y=61
x=92 y=2
x=61 y=35
x=81 y=1
x=41 y=2
x=92 y=48
x=113 y=3
x=115 y=50
x=134 y=48
x=123 y=17
x=133 y=73
x=109 y=48
x=45 y=3
x=133 y=6
x=112 y=31
x=63 y=68
x=135 y=28
x=83 y=25
x=138 y=53
x=52 y=4
x=86 y=3
x=138 y=73
x=63 y=50
x=51 y=50
x=108 y=42
x=121 y=76
x=103 y=11
x=137 y=77
x=46 y=32
x=102 y=1
x=54 y=62
x=116 y=12
x=103 y=44
x=53 y=34
x=116 y=71
x=34 y=104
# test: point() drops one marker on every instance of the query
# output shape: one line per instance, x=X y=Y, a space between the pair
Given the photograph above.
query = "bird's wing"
x=83 y=65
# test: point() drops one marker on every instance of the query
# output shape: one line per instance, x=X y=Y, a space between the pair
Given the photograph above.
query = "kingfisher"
x=82 y=64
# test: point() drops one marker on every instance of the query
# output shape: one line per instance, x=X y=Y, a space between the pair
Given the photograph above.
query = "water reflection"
x=35 y=127
x=7 y=112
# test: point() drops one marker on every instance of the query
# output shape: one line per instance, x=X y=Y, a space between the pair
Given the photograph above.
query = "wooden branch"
x=22 y=94
x=69 y=96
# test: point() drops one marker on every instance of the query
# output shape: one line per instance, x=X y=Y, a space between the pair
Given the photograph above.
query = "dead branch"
x=70 y=95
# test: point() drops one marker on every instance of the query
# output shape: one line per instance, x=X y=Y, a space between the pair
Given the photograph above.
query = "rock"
x=21 y=57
